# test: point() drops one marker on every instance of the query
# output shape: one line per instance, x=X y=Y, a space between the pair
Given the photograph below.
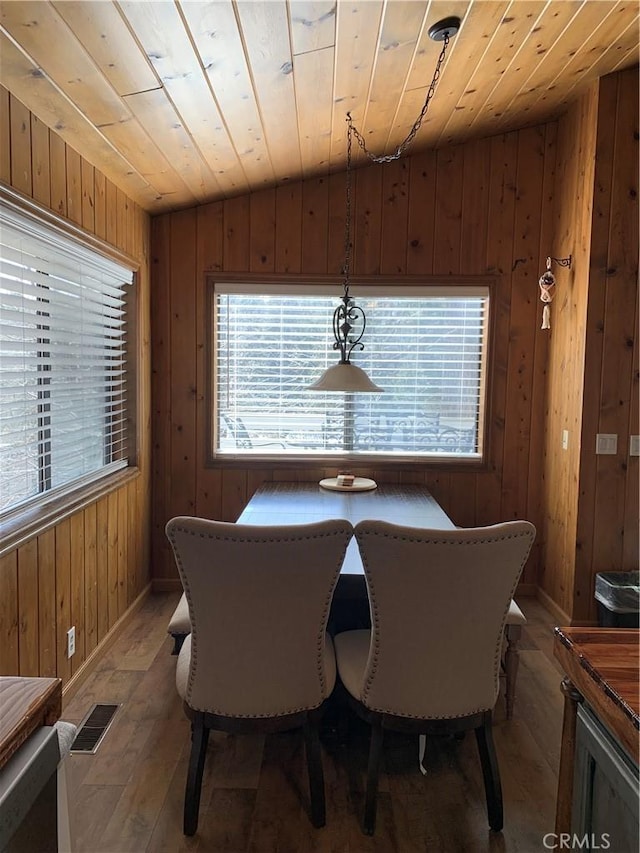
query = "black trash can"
x=618 y=597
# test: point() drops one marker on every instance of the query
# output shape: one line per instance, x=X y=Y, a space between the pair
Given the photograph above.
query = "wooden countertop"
x=25 y=705
x=604 y=664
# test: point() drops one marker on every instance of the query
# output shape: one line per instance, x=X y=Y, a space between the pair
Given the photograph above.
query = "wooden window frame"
x=21 y=524
x=359 y=461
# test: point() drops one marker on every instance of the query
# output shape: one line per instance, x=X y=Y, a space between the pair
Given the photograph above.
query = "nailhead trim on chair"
x=376 y=650
x=321 y=638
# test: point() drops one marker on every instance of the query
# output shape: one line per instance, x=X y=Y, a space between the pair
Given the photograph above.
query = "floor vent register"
x=93 y=728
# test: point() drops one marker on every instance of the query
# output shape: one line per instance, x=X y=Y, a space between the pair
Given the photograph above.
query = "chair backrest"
x=259 y=601
x=439 y=600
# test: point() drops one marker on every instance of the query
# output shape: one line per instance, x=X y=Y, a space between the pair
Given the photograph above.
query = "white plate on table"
x=360 y=484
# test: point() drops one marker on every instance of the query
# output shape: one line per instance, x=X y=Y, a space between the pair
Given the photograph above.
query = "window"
x=64 y=403
x=425 y=346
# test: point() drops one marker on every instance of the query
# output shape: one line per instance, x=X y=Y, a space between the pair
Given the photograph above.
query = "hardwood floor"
x=129 y=795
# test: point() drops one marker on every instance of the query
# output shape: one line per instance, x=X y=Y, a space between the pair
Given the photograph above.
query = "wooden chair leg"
x=490 y=773
x=314 y=768
x=199 y=740
x=178 y=640
x=511 y=662
x=373 y=772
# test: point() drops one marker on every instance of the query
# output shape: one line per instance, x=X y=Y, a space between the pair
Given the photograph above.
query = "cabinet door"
x=605 y=788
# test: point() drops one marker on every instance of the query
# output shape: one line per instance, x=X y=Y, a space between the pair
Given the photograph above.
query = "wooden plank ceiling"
x=184 y=102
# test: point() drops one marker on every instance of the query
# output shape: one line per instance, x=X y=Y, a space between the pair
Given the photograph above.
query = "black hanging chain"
x=352 y=131
x=348 y=316
x=388 y=158
x=347 y=224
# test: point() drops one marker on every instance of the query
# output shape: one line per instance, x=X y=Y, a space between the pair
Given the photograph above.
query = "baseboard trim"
x=166 y=585
x=526 y=590
x=78 y=678
x=554 y=609
x=523 y=590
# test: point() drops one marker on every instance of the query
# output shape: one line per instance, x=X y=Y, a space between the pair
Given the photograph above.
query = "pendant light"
x=349 y=320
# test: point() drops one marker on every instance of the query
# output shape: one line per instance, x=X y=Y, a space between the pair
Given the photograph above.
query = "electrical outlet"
x=565 y=439
x=71 y=642
x=634 y=445
x=606 y=444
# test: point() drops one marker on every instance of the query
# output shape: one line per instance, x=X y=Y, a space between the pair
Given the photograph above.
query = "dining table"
x=302 y=503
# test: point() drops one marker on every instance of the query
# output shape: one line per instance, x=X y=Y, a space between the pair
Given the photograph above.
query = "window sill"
x=24 y=525
x=354 y=462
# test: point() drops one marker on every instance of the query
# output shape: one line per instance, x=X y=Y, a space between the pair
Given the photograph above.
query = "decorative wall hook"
x=547 y=282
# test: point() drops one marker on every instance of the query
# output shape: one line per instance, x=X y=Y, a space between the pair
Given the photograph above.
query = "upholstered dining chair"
x=411 y=672
x=258 y=657
x=179 y=626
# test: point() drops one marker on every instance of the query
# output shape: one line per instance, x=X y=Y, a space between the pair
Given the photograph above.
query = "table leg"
x=513 y=634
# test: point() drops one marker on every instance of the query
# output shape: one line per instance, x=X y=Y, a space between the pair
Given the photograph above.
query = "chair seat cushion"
x=352 y=653
x=180 y=623
x=184 y=662
x=515 y=616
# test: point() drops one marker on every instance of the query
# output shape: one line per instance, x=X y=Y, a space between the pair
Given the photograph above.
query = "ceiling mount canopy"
x=446 y=28
x=349 y=320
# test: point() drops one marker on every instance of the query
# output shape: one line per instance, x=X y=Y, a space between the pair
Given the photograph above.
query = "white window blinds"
x=63 y=374
x=426 y=347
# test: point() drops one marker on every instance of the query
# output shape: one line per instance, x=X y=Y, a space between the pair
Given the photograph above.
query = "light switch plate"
x=606 y=444
x=634 y=445
x=565 y=439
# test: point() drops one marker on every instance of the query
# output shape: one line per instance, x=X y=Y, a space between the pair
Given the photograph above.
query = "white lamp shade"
x=345 y=377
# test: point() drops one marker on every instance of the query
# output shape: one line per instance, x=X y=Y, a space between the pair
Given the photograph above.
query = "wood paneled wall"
x=87 y=570
x=591 y=502
x=483 y=207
